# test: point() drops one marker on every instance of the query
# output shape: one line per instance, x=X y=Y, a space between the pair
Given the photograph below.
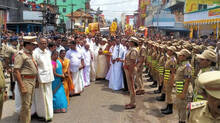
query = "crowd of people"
x=49 y=69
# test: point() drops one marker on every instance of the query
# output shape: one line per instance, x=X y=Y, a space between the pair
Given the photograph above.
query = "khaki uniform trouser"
x=181 y=105
x=26 y=101
x=130 y=82
x=168 y=90
x=1 y=103
x=139 y=79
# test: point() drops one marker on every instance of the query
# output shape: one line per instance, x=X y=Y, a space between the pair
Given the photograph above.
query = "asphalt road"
x=99 y=104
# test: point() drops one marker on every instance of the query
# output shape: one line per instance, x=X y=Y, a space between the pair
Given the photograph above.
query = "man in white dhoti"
x=76 y=64
x=87 y=60
x=94 y=50
x=43 y=94
x=116 y=81
x=80 y=48
x=102 y=67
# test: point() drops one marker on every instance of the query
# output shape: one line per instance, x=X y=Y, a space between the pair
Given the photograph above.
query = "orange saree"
x=67 y=82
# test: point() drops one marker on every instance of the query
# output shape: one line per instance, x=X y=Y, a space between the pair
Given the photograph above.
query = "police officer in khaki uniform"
x=207 y=111
x=170 y=67
x=161 y=68
x=182 y=80
x=153 y=66
x=9 y=60
x=140 y=60
x=130 y=70
x=26 y=74
x=3 y=92
x=207 y=62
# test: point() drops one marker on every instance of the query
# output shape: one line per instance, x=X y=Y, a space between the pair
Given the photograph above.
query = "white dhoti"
x=116 y=80
x=86 y=71
x=44 y=100
x=93 y=71
x=18 y=101
x=77 y=81
x=102 y=67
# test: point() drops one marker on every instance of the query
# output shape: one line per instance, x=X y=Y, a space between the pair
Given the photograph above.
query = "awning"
x=176 y=29
x=210 y=16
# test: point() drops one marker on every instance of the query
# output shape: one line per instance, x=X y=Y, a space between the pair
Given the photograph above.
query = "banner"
x=193 y=5
x=214 y=12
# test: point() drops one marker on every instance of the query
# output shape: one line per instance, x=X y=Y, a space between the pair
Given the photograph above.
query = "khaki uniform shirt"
x=202 y=115
x=25 y=62
x=132 y=54
x=170 y=62
x=184 y=71
x=2 y=78
x=142 y=53
x=162 y=60
x=9 y=51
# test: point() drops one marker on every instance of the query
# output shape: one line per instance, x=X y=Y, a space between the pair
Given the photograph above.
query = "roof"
x=78 y=14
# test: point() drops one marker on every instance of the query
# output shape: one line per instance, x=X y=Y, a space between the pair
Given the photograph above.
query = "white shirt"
x=75 y=58
x=87 y=57
x=44 y=65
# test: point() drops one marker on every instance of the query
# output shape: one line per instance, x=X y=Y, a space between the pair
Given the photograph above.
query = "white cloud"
x=114 y=8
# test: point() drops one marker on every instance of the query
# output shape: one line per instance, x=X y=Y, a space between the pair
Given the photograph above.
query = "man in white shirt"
x=87 y=60
x=116 y=81
x=43 y=94
x=76 y=65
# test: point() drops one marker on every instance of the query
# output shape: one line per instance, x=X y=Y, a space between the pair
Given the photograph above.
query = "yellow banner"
x=193 y=5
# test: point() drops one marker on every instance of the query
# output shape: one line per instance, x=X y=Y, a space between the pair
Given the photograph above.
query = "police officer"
x=149 y=60
x=182 y=80
x=153 y=66
x=207 y=111
x=26 y=74
x=3 y=92
x=161 y=68
x=170 y=66
x=130 y=70
x=207 y=62
x=140 y=60
x=9 y=59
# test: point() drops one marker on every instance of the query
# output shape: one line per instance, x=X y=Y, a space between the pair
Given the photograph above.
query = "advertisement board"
x=32 y=15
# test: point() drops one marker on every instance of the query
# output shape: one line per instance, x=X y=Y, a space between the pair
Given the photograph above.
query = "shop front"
x=203 y=23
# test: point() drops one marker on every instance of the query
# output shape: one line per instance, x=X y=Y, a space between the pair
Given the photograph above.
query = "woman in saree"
x=67 y=82
x=59 y=97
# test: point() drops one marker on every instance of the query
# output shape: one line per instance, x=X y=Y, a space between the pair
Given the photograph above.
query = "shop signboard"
x=214 y=12
x=193 y=5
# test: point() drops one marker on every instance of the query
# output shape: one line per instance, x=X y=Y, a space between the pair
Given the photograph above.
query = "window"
x=64 y=1
x=202 y=6
x=64 y=10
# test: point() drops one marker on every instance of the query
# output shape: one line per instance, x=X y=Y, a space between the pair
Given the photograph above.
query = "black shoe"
x=158 y=90
x=161 y=98
x=182 y=121
x=154 y=85
x=149 y=80
x=169 y=110
x=164 y=109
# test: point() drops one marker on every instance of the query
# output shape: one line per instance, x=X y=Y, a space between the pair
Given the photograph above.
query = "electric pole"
x=72 y=5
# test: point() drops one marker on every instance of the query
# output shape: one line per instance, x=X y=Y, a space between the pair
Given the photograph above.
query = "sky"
x=114 y=8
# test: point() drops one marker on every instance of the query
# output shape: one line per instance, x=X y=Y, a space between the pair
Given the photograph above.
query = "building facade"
x=65 y=6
